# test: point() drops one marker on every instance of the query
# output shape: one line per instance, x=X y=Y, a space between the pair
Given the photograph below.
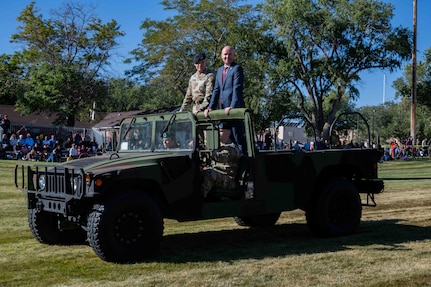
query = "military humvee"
x=118 y=201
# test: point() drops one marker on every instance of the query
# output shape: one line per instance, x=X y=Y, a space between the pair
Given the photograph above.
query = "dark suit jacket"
x=229 y=93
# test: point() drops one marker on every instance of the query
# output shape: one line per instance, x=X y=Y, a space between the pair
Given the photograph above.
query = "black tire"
x=126 y=227
x=262 y=220
x=44 y=227
x=336 y=211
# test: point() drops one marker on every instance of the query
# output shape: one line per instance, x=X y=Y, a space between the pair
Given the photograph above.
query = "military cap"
x=224 y=125
x=199 y=57
x=166 y=135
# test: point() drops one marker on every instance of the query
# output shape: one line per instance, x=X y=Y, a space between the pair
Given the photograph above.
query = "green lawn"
x=391 y=248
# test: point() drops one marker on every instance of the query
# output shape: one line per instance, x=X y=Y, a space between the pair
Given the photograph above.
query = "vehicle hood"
x=121 y=161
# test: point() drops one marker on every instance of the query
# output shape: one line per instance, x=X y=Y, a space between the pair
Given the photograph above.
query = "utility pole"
x=413 y=107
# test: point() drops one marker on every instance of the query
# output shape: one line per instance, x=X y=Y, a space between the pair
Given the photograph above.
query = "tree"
x=124 y=95
x=65 y=57
x=387 y=121
x=403 y=85
x=321 y=46
x=11 y=85
x=64 y=91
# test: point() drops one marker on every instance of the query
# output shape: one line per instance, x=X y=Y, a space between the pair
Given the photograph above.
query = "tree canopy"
x=305 y=57
x=11 y=78
x=403 y=85
x=64 y=58
x=323 y=46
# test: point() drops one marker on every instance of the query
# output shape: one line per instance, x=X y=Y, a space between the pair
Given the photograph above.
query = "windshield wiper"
x=168 y=124
x=129 y=127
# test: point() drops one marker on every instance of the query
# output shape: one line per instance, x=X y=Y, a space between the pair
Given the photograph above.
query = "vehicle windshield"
x=161 y=135
x=175 y=135
x=135 y=136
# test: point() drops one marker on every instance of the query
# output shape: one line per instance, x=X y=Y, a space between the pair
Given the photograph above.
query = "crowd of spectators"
x=405 y=150
x=22 y=145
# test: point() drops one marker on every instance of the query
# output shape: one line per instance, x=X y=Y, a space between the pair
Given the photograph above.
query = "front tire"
x=126 y=227
x=336 y=211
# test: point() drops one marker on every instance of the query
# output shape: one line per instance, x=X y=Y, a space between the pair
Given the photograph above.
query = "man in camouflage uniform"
x=224 y=161
x=200 y=86
x=169 y=141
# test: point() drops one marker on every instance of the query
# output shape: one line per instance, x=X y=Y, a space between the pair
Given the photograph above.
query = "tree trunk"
x=70 y=120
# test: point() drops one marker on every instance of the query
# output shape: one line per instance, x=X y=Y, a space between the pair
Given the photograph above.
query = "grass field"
x=391 y=248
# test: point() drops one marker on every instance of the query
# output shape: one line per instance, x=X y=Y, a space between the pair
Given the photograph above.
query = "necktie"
x=224 y=74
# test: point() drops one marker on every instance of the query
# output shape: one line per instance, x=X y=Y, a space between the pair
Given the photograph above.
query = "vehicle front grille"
x=59 y=182
x=55 y=184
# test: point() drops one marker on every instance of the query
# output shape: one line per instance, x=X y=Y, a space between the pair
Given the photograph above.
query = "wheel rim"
x=130 y=228
x=339 y=211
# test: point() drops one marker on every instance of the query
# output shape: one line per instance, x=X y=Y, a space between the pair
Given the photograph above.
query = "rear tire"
x=262 y=220
x=45 y=228
x=336 y=211
x=126 y=227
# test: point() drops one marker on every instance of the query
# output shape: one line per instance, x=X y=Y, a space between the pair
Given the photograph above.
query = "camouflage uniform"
x=199 y=91
x=224 y=169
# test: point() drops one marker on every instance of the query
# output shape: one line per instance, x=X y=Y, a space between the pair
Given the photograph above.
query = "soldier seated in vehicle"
x=135 y=139
x=169 y=141
x=224 y=163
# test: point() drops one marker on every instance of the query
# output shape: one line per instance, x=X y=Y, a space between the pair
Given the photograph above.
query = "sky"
x=375 y=87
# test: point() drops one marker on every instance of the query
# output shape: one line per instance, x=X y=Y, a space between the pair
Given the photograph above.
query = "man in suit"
x=229 y=84
x=228 y=92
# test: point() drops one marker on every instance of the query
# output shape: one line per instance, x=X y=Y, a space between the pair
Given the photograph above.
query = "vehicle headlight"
x=76 y=183
x=42 y=181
